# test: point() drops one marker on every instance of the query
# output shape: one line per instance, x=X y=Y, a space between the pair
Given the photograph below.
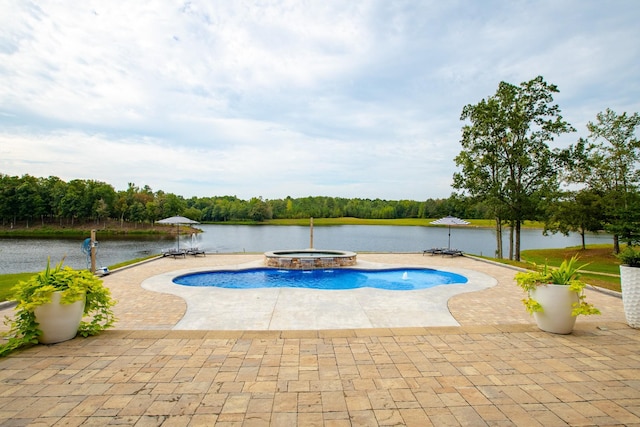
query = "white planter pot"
x=59 y=322
x=630 y=283
x=557 y=302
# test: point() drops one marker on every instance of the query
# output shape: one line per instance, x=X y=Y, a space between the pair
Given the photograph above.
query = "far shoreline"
x=115 y=229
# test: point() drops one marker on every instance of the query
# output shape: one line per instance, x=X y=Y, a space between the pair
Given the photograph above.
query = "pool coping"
x=309 y=309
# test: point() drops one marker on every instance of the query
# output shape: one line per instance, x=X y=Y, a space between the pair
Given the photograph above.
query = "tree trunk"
x=517 y=257
x=498 y=238
x=616 y=244
x=511 y=240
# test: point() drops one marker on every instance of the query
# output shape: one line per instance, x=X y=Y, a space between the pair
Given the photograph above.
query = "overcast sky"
x=290 y=98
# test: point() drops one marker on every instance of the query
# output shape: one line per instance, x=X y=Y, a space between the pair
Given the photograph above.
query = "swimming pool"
x=396 y=279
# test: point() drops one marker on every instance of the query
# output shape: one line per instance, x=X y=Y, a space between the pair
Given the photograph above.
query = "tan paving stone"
x=284 y=419
x=202 y=420
x=309 y=402
x=357 y=401
x=137 y=405
x=343 y=422
x=333 y=401
x=519 y=415
x=441 y=417
x=298 y=386
x=231 y=419
x=263 y=405
x=186 y=404
x=236 y=403
x=380 y=399
x=363 y=418
x=495 y=369
x=285 y=402
x=617 y=412
x=311 y=419
x=211 y=403
x=414 y=417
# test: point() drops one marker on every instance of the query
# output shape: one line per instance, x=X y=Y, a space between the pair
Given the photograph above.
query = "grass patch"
x=599 y=257
x=603 y=269
x=605 y=282
x=8 y=281
x=130 y=262
x=349 y=221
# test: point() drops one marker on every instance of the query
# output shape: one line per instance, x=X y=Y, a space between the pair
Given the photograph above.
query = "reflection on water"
x=23 y=254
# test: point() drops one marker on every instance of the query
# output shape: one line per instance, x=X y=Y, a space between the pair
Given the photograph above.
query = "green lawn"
x=399 y=222
x=603 y=267
x=7 y=281
x=599 y=257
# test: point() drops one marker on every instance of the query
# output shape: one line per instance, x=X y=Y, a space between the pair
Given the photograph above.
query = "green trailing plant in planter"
x=69 y=286
x=563 y=294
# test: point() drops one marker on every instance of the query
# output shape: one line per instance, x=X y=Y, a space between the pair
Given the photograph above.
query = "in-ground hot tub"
x=309 y=258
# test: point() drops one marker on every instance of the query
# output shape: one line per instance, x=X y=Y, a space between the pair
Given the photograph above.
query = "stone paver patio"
x=496 y=368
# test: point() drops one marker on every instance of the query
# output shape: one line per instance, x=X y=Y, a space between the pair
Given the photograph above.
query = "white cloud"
x=277 y=98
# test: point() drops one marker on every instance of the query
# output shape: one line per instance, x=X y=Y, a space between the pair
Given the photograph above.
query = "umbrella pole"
x=449 y=246
x=178 y=236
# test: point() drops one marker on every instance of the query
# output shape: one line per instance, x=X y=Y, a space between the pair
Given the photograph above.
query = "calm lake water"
x=26 y=255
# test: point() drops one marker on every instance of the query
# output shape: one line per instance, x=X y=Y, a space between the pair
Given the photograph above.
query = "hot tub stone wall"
x=303 y=263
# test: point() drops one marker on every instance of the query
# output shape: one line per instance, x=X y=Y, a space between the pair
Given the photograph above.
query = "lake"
x=25 y=254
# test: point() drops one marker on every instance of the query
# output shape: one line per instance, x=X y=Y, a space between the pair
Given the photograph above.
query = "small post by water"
x=311 y=233
x=93 y=251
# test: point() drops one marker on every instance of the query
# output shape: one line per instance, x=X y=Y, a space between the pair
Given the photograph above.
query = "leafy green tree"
x=607 y=161
x=137 y=212
x=102 y=196
x=484 y=172
x=193 y=213
x=9 y=204
x=30 y=204
x=73 y=203
x=506 y=160
x=576 y=211
x=173 y=205
x=259 y=210
x=120 y=207
x=152 y=213
x=53 y=191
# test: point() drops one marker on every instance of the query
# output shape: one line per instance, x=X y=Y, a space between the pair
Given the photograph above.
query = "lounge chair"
x=452 y=252
x=433 y=251
x=174 y=252
x=195 y=252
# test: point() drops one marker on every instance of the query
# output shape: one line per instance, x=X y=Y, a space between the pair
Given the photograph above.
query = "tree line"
x=33 y=200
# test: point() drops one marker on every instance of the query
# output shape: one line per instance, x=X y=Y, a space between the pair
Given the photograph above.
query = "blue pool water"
x=404 y=279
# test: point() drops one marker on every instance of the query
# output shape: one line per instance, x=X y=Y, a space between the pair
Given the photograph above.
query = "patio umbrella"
x=177 y=220
x=449 y=221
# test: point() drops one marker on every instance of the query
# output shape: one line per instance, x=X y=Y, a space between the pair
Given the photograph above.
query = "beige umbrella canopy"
x=449 y=221
x=177 y=220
